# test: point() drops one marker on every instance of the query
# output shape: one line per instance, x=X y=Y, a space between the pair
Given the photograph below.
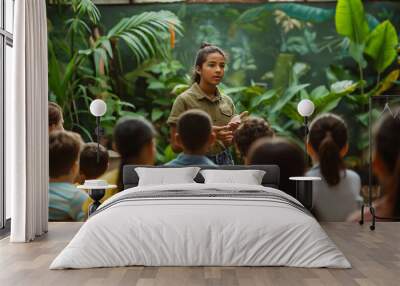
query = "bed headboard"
x=270 y=179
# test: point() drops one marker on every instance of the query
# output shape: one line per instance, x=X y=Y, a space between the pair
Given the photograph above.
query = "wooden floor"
x=375 y=257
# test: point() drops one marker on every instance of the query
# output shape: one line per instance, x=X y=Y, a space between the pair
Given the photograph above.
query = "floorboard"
x=374 y=255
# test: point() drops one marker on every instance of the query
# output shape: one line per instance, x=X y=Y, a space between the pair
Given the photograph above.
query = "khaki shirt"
x=220 y=108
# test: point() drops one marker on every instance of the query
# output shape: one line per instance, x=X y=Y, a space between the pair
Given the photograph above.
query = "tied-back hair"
x=387 y=147
x=130 y=136
x=201 y=57
x=328 y=136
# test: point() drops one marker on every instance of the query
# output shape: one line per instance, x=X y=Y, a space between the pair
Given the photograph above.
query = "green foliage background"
x=278 y=54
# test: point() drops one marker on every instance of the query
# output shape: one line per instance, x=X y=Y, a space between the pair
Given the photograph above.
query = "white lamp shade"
x=98 y=107
x=305 y=107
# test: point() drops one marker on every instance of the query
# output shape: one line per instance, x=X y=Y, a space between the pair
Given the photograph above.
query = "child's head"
x=248 y=132
x=56 y=120
x=282 y=152
x=386 y=158
x=194 y=132
x=133 y=139
x=209 y=65
x=64 y=149
x=327 y=144
x=89 y=167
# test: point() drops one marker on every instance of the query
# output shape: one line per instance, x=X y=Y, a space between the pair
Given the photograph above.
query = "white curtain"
x=27 y=124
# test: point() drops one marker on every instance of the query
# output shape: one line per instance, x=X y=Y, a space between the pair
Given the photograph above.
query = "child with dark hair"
x=134 y=141
x=89 y=167
x=282 y=152
x=337 y=195
x=209 y=70
x=386 y=166
x=251 y=129
x=195 y=135
x=65 y=200
x=56 y=120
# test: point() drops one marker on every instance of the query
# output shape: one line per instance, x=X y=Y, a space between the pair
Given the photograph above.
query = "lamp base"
x=96 y=195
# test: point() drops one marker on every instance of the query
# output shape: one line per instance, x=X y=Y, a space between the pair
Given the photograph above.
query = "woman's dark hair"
x=130 y=136
x=282 y=152
x=387 y=147
x=328 y=136
x=201 y=57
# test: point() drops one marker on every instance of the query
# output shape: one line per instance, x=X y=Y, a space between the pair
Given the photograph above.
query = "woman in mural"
x=204 y=94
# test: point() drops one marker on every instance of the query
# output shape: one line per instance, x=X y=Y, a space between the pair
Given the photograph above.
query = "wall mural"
x=139 y=57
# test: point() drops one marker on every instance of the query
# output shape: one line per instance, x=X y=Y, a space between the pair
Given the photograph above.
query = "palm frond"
x=146 y=34
x=87 y=7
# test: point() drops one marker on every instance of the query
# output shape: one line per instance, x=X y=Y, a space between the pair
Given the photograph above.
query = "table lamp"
x=98 y=108
x=305 y=108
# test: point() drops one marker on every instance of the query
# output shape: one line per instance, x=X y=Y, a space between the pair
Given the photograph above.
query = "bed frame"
x=270 y=179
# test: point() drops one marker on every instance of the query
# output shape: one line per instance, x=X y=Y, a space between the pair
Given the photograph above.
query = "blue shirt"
x=188 y=160
x=65 y=202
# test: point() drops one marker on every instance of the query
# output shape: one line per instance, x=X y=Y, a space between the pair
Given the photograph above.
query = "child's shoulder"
x=352 y=174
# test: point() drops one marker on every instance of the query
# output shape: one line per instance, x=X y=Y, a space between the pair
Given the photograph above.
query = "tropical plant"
x=278 y=105
x=87 y=64
x=380 y=43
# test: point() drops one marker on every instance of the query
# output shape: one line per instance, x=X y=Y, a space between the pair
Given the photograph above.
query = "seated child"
x=89 y=167
x=65 y=200
x=282 y=152
x=337 y=195
x=386 y=166
x=195 y=136
x=134 y=141
x=56 y=120
x=251 y=129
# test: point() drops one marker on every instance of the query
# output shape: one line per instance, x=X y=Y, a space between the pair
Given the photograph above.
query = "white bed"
x=225 y=225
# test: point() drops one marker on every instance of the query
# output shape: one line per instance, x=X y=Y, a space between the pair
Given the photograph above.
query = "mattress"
x=201 y=225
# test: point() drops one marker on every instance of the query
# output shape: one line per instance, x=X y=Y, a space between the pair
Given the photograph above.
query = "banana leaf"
x=381 y=45
x=351 y=21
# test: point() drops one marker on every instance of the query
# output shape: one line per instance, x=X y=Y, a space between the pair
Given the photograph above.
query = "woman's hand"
x=224 y=134
x=236 y=120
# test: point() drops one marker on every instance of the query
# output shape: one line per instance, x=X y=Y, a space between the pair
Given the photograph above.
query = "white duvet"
x=191 y=231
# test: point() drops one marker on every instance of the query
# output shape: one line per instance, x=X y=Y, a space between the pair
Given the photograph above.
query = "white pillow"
x=166 y=176
x=248 y=177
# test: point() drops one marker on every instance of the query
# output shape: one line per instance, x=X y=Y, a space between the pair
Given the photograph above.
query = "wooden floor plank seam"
x=375 y=258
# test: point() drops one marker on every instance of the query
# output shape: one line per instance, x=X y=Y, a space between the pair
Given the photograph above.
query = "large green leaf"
x=325 y=100
x=287 y=96
x=357 y=53
x=381 y=45
x=344 y=87
x=145 y=34
x=265 y=98
x=86 y=7
x=156 y=114
x=351 y=21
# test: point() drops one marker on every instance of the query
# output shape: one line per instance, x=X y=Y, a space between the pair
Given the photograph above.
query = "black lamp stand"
x=96 y=195
x=369 y=204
